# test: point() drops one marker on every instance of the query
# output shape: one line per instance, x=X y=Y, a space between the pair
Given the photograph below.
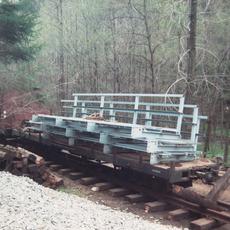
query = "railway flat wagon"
x=156 y=134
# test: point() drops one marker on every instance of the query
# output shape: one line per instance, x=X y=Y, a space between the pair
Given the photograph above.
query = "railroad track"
x=178 y=209
x=133 y=187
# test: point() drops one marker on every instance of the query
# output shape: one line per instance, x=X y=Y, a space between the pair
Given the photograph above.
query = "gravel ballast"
x=26 y=205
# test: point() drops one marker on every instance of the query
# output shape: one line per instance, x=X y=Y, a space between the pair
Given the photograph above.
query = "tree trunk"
x=116 y=78
x=151 y=50
x=208 y=136
x=191 y=47
x=226 y=145
x=1 y=102
x=106 y=51
x=96 y=68
x=61 y=50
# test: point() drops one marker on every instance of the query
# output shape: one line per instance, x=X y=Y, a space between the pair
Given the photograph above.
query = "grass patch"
x=215 y=150
x=73 y=191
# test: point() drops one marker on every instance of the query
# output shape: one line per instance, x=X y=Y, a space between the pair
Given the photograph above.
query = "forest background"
x=132 y=46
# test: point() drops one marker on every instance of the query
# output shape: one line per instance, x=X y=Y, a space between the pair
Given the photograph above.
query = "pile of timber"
x=21 y=162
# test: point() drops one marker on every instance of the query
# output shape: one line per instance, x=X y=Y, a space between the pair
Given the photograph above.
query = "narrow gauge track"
x=142 y=188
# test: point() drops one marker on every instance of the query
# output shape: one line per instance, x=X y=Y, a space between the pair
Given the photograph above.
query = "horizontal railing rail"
x=128 y=95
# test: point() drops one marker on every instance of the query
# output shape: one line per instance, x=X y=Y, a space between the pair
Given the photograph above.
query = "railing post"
x=83 y=109
x=102 y=106
x=197 y=133
x=194 y=124
x=111 y=112
x=180 y=117
x=75 y=106
x=148 y=116
x=135 y=114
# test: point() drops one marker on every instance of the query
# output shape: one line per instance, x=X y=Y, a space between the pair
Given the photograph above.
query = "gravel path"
x=27 y=205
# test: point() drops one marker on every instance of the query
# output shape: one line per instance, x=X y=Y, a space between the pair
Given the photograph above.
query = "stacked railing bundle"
x=160 y=125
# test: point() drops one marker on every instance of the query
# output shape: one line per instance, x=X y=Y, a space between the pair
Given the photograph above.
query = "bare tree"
x=191 y=47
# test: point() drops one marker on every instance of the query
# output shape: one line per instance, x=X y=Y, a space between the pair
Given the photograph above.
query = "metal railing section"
x=159 y=111
x=150 y=123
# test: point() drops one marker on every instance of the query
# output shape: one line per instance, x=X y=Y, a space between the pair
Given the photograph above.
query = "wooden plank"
x=55 y=167
x=76 y=175
x=178 y=214
x=38 y=160
x=102 y=186
x=221 y=173
x=89 y=180
x=117 y=192
x=224 y=203
x=202 y=224
x=134 y=198
x=31 y=156
x=226 y=214
x=3 y=155
x=33 y=168
x=223 y=227
x=16 y=172
x=219 y=187
x=17 y=164
x=155 y=206
x=65 y=171
x=52 y=180
x=48 y=163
